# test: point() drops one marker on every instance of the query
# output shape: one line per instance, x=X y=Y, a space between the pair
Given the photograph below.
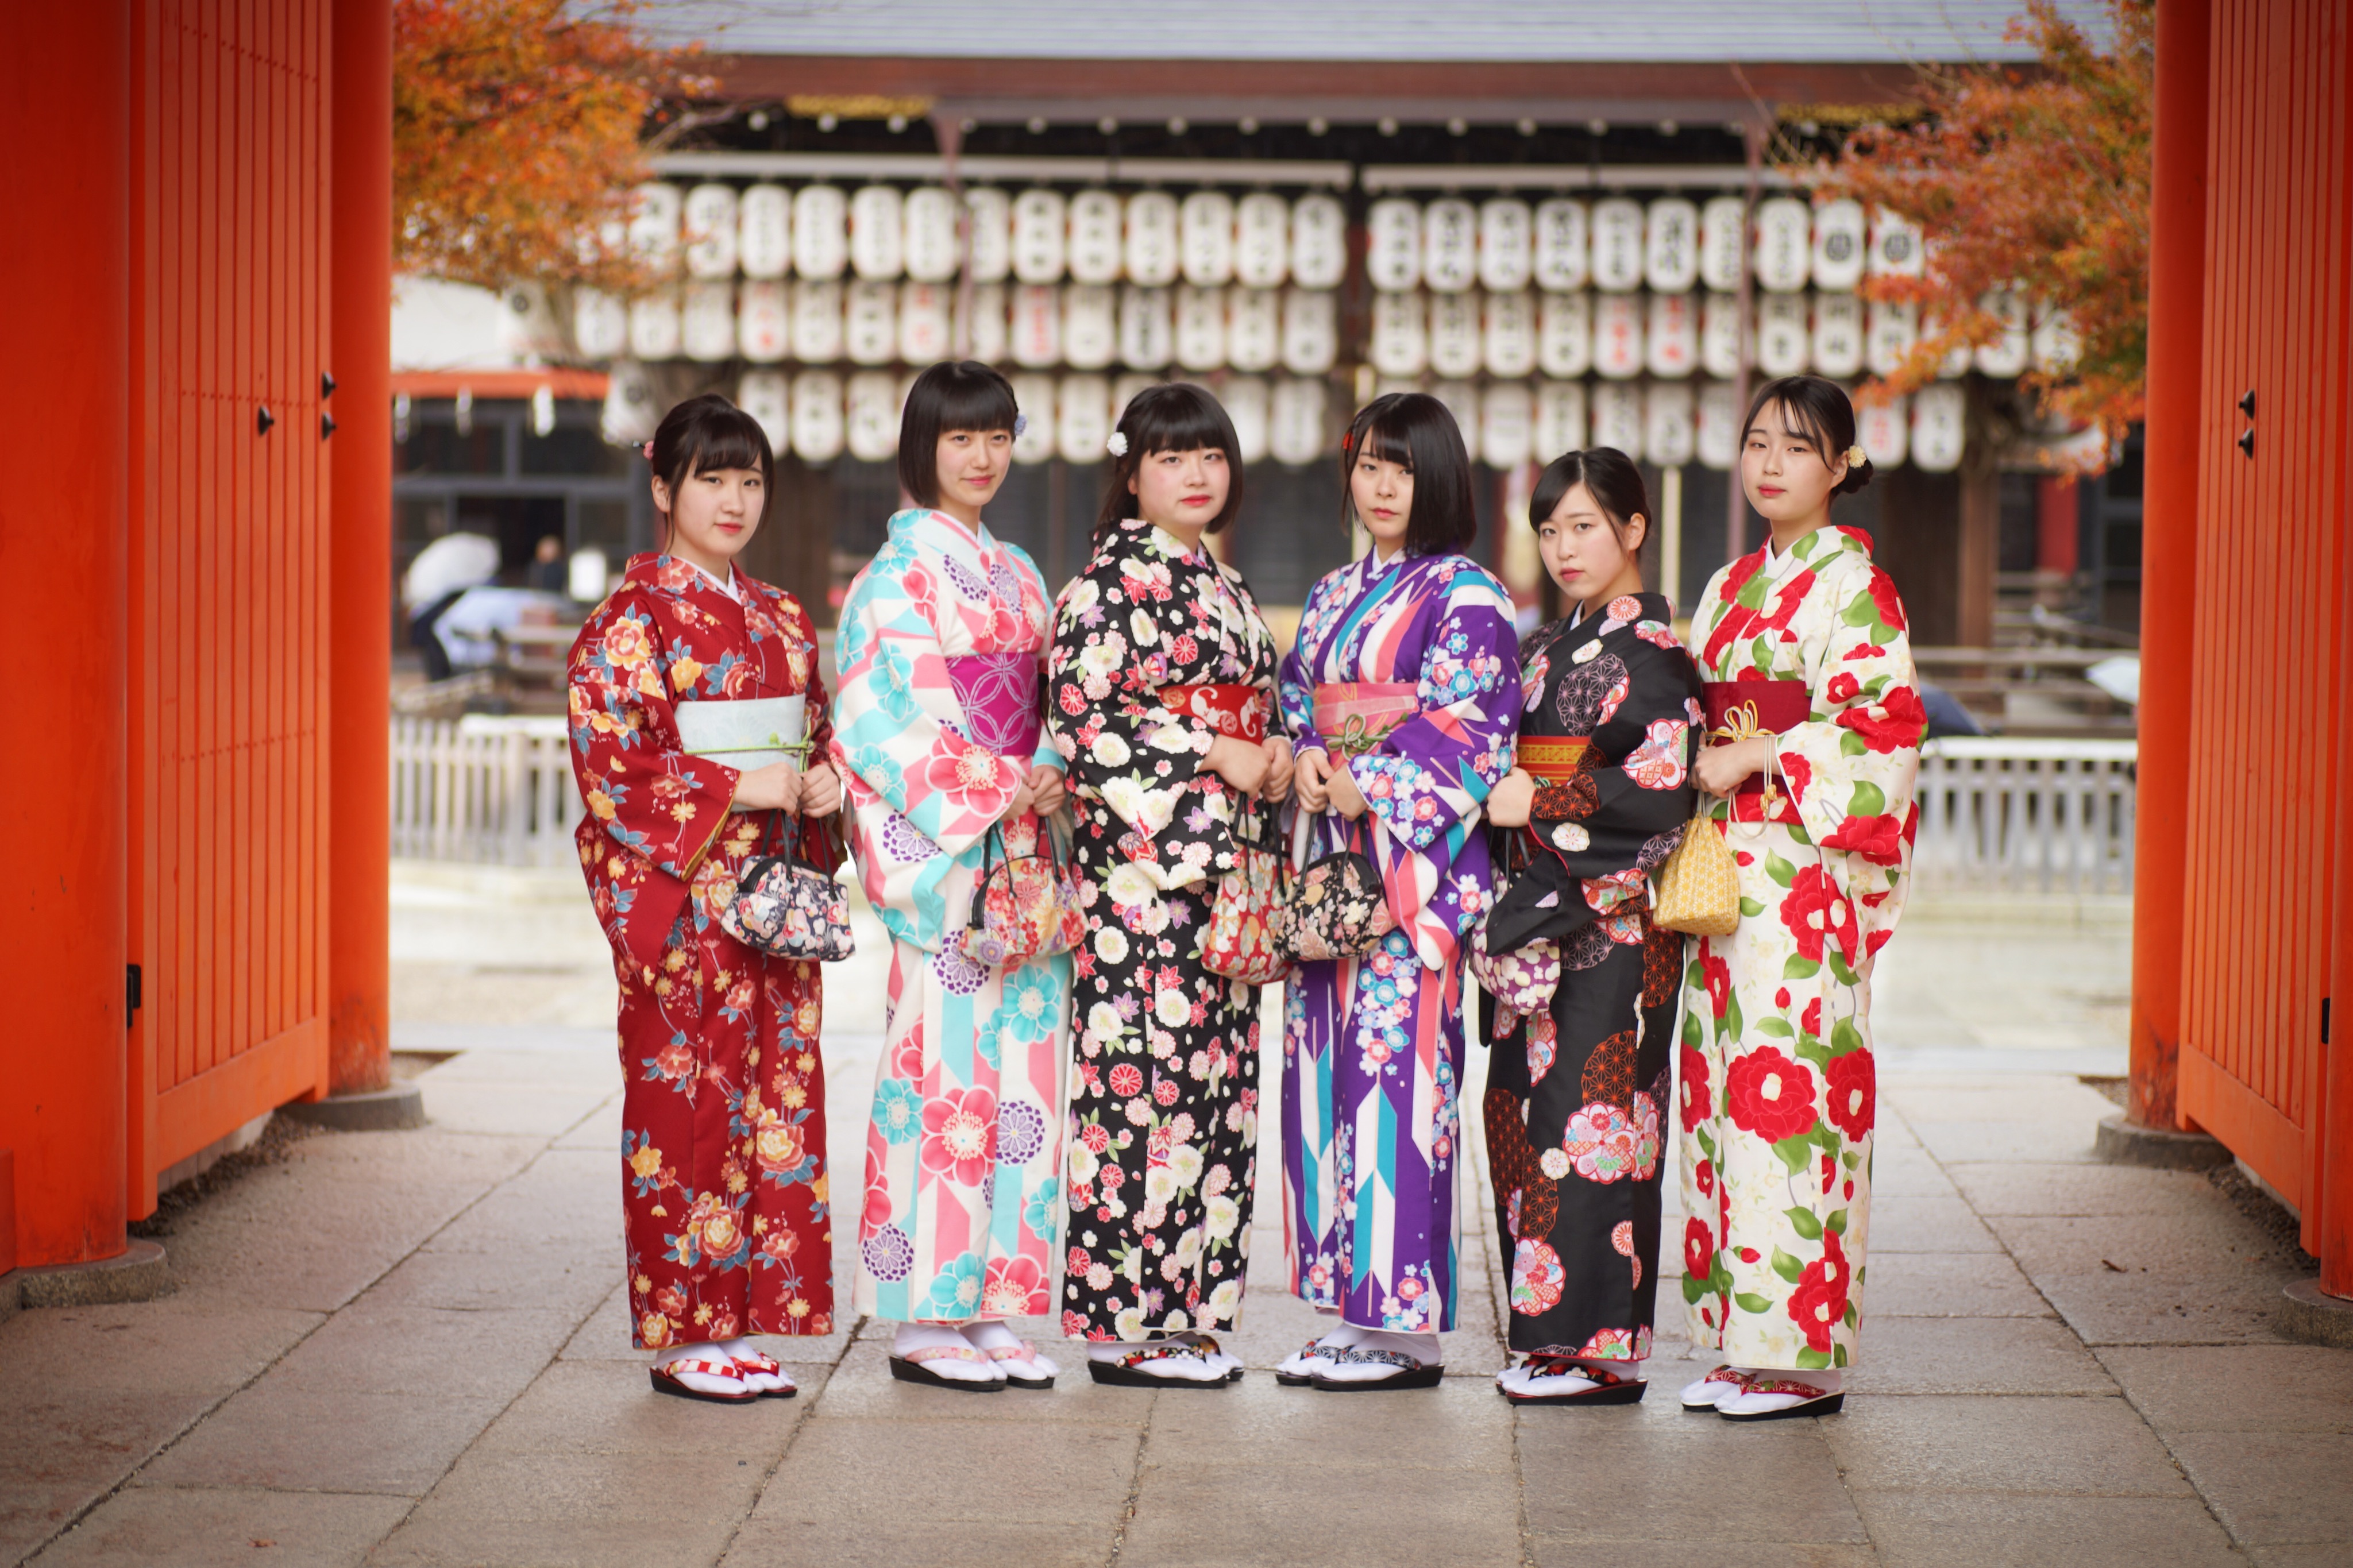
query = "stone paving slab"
x=229 y=1528
x=2012 y=1529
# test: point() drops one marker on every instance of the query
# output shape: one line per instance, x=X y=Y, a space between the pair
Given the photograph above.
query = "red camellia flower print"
x=1770 y=1094
x=960 y=1135
x=1814 y=911
x=1884 y=600
x=1878 y=839
x=1853 y=1096
x=1694 y=1088
x=1718 y=976
x=1818 y=1305
x=1843 y=686
x=1699 y=1248
x=1896 y=721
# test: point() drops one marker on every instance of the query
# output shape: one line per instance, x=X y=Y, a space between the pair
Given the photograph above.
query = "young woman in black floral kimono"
x=1160 y=693
x=1577 y=1092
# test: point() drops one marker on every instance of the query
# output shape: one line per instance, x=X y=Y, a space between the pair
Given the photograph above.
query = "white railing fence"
x=1995 y=815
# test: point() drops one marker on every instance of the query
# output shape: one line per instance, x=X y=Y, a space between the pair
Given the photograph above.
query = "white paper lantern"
x=763 y=231
x=1618 y=227
x=816 y=415
x=990 y=212
x=1719 y=335
x=1507 y=424
x=878 y=233
x=2056 y=345
x=1938 y=427
x=527 y=328
x=1246 y=398
x=1562 y=251
x=1034 y=397
x=1454 y=345
x=927 y=322
x=1671 y=245
x=1785 y=244
x=763 y=322
x=765 y=395
x=1559 y=419
x=870 y=416
x=654 y=325
x=984 y=333
x=1838 y=249
x=709 y=231
x=1294 y=430
x=1450 y=246
x=1041 y=236
x=1956 y=363
x=869 y=321
x=1506 y=245
x=928 y=235
x=1400 y=338
x=1564 y=336
x=1883 y=430
x=2007 y=354
x=1896 y=249
x=1837 y=336
x=1090 y=326
x=600 y=324
x=1036 y=329
x=816 y=323
x=707 y=322
x=1393 y=245
x=1670 y=339
x=1890 y=330
x=1785 y=337
x=1262 y=241
x=1618 y=418
x=1146 y=332
x=1509 y=340
x=1152 y=247
x=1618 y=336
x=1723 y=243
x=820 y=234
x=1200 y=328
x=1096 y=241
x=1319 y=242
x=1716 y=439
x=1253 y=328
x=655 y=214
x=1082 y=419
x=1310 y=329
x=1668 y=433
x=1206 y=238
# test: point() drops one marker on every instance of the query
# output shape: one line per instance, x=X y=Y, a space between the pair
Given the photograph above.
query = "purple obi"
x=999 y=693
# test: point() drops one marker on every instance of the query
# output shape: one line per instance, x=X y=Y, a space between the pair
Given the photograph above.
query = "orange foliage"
x=519 y=128
x=2034 y=180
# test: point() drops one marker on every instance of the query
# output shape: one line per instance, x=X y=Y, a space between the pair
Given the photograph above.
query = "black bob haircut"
x=708 y=432
x=1414 y=430
x=1174 y=417
x=1821 y=410
x=1609 y=476
x=953 y=394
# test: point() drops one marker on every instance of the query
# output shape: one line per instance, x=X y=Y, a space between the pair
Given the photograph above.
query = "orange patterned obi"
x=1355 y=716
x=1551 y=759
x=1738 y=710
x=1239 y=712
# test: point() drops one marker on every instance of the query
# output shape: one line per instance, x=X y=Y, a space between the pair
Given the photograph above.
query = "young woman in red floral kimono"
x=722 y=1145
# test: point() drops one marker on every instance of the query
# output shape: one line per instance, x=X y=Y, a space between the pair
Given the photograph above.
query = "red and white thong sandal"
x=1805 y=1400
x=1723 y=1383
x=665 y=1381
x=763 y=1377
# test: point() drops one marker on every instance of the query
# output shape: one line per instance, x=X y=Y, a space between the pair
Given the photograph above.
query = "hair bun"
x=1857 y=476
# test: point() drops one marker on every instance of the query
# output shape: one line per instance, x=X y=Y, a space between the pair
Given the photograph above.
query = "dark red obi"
x=1739 y=709
x=1239 y=712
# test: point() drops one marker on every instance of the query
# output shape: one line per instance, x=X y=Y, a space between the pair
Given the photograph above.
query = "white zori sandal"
x=1780 y=1399
x=1725 y=1383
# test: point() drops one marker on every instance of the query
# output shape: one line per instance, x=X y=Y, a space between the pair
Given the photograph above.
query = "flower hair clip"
x=1856 y=457
x=649 y=450
x=1117 y=445
x=1020 y=426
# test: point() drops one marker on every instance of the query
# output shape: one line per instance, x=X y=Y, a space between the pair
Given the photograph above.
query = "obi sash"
x=999 y=695
x=1738 y=710
x=1551 y=759
x=745 y=733
x=1355 y=716
x=1236 y=711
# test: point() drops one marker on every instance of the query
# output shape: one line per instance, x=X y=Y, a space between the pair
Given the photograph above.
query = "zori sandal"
x=1723 y=1383
x=909 y=1368
x=665 y=1381
x=1410 y=1373
x=1603 y=1387
x=1213 y=1352
x=1808 y=1400
x=1311 y=1353
x=1128 y=1372
x=764 y=1375
x=1021 y=1350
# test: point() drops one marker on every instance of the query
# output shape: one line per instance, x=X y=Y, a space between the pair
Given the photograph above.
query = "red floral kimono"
x=722 y=1144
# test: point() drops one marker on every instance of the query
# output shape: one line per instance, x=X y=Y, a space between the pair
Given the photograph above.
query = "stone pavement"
x=409 y=1348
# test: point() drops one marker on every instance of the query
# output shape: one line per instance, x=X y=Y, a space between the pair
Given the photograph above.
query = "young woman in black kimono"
x=1577 y=1092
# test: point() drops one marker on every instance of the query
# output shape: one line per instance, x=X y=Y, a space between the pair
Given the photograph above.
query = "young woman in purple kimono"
x=1401 y=696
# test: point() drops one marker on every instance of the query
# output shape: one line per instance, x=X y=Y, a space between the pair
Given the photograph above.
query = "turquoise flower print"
x=1044 y=1208
x=956 y=1291
x=1030 y=1005
x=873 y=764
x=898 y=1110
x=895 y=684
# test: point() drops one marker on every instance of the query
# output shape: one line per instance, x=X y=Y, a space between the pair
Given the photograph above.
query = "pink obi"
x=1355 y=716
x=1002 y=702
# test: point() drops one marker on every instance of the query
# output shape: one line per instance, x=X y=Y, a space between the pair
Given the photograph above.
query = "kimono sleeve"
x=1431 y=772
x=647 y=794
x=1850 y=767
x=1294 y=684
x=887 y=738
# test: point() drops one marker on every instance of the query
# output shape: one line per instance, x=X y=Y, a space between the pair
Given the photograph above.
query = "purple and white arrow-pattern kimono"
x=1372 y=1046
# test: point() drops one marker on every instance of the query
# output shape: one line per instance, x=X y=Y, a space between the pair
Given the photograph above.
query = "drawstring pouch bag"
x=1025 y=906
x=1333 y=908
x=1244 y=938
x=787 y=908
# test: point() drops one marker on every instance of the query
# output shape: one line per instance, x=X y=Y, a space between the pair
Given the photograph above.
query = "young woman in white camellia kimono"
x=1815 y=723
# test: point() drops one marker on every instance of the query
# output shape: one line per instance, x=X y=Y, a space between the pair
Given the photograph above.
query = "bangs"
x=1389 y=441
x=1176 y=423
x=727 y=439
x=974 y=402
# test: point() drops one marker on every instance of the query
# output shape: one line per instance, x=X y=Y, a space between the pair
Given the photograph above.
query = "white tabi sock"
x=1423 y=1348
x=972 y=1367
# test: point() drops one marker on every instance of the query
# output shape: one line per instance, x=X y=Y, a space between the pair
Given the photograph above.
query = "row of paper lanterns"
x=821 y=414
x=1198 y=329
x=1210 y=238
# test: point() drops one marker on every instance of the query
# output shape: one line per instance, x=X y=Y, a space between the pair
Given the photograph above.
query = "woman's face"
x=1582 y=551
x=1783 y=468
x=970 y=466
x=1383 y=493
x=714 y=514
x=1181 y=491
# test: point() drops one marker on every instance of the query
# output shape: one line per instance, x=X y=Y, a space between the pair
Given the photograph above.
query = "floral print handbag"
x=1024 y=906
x=1522 y=981
x=787 y=908
x=1335 y=907
x=1244 y=937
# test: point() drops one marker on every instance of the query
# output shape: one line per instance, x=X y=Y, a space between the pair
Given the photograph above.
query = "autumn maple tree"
x=2032 y=180
x=519 y=129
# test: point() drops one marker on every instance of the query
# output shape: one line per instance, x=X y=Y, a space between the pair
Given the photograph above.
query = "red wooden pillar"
x=360 y=548
x=2169 y=553
x=64 y=375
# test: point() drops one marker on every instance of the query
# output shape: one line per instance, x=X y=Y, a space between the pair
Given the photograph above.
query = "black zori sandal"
x=1411 y=1373
x=1818 y=1404
x=665 y=1380
x=1128 y=1372
x=909 y=1368
x=1608 y=1388
x=1313 y=1350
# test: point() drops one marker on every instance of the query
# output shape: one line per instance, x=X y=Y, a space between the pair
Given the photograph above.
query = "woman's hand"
x=1046 y=790
x=820 y=791
x=1508 y=804
x=1308 y=778
x=1280 y=765
x=1346 y=799
x=1239 y=763
x=776 y=787
x=1721 y=769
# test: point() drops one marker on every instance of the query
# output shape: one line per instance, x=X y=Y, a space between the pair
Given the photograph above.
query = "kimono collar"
x=1814 y=549
x=915 y=517
x=1626 y=610
x=677 y=575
